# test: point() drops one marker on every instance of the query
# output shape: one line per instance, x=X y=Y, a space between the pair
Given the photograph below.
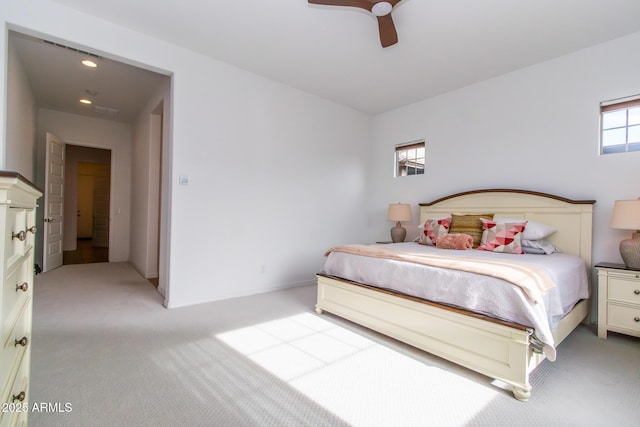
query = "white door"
x=53 y=203
x=101 y=205
x=85 y=206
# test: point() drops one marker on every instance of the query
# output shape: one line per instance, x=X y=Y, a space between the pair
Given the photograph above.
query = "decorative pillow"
x=432 y=228
x=454 y=241
x=502 y=237
x=469 y=224
x=534 y=231
x=541 y=244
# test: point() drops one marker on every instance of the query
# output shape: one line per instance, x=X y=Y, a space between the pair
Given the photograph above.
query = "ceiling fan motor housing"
x=381 y=8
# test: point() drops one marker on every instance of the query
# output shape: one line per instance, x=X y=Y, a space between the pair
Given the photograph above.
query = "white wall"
x=97 y=133
x=21 y=114
x=146 y=182
x=536 y=129
x=276 y=175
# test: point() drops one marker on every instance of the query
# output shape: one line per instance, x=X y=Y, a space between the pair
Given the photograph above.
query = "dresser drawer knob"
x=19 y=397
x=32 y=229
x=20 y=236
x=24 y=287
x=636 y=319
x=637 y=292
x=22 y=341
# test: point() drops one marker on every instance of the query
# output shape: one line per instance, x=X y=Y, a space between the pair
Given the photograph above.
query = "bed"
x=497 y=347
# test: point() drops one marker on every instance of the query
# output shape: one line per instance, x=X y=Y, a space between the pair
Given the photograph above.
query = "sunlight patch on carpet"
x=355 y=378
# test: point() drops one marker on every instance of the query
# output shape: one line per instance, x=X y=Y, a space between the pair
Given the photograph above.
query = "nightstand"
x=618 y=299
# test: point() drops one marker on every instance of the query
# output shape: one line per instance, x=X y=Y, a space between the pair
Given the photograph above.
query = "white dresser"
x=18 y=199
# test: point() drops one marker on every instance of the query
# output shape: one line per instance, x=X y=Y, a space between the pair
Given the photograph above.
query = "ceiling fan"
x=381 y=9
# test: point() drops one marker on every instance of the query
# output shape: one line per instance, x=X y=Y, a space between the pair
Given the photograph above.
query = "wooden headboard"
x=572 y=218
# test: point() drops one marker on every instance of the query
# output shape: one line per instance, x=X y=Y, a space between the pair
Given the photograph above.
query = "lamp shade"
x=399 y=212
x=626 y=215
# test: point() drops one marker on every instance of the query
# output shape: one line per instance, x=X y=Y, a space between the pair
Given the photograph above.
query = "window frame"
x=405 y=147
x=622 y=104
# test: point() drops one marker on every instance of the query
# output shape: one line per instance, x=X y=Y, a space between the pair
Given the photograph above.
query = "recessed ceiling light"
x=89 y=63
x=85 y=101
x=92 y=92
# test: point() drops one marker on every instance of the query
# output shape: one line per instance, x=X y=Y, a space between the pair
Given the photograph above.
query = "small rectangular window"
x=620 y=126
x=409 y=159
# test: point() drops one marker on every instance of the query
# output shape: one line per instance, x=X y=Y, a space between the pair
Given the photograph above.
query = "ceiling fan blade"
x=363 y=4
x=387 y=29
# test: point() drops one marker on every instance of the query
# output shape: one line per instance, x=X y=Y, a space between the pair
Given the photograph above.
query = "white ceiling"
x=335 y=52
x=59 y=80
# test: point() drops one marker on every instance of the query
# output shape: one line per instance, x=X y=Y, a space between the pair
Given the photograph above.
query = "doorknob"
x=48 y=219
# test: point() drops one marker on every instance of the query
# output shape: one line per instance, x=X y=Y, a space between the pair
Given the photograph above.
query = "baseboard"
x=246 y=293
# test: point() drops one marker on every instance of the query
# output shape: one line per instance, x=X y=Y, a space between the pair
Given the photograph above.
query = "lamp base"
x=630 y=251
x=398 y=233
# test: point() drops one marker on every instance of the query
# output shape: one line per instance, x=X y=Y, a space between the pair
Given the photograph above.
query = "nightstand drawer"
x=619 y=316
x=624 y=290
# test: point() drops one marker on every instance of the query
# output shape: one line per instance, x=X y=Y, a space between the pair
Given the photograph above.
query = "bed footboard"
x=492 y=349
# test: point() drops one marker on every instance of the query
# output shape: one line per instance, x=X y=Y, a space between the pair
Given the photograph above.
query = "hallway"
x=85 y=253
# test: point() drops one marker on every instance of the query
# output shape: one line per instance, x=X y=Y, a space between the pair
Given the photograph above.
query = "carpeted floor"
x=106 y=353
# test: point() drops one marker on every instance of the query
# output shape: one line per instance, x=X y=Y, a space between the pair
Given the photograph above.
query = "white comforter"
x=481 y=294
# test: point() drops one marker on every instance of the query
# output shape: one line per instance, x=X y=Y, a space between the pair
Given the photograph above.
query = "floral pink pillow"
x=432 y=229
x=502 y=237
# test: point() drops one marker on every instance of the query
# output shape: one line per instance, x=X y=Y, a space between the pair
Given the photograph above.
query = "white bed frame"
x=497 y=349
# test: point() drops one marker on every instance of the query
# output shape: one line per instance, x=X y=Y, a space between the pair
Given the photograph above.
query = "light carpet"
x=104 y=346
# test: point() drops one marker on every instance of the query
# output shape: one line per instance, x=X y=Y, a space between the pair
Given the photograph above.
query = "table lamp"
x=399 y=212
x=626 y=216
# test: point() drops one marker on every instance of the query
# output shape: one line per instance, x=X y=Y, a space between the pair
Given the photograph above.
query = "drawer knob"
x=24 y=287
x=636 y=319
x=22 y=341
x=637 y=292
x=20 y=236
x=32 y=229
x=19 y=397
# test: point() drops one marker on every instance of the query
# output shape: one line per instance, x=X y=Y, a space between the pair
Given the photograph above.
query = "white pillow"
x=534 y=251
x=533 y=231
x=542 y=244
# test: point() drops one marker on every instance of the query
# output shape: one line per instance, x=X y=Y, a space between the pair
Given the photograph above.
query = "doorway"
x=87 y=205
x=138 y=231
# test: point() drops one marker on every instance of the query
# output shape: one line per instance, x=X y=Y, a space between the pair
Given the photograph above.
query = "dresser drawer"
x=16 y=289
x=17 y=408
x=15 y=236
x=15 y=341
x=624 y=290
x=620 y=316
x=30 y=228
